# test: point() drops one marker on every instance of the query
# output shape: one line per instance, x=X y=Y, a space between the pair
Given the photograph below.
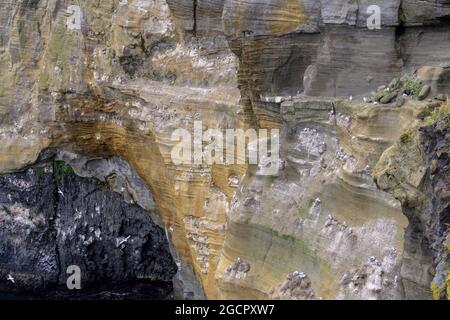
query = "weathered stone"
x=417 y=12
x=118 y=85
x=437 y=77
x=424 y=92
x=434 y=104
x=400 y=101
x=388 y=97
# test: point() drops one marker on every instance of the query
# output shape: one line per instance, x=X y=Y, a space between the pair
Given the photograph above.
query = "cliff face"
x=102 y=79
x=53 y=219
x=416 y=172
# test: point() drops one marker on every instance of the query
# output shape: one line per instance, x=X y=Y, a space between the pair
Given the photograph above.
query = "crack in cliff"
x=194 y=16
x=399 y=32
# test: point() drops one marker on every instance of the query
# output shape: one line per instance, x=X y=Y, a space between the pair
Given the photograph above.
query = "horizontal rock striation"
x=113 y=80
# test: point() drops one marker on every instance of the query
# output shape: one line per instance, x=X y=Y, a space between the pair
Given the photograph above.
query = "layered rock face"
x=114 y=79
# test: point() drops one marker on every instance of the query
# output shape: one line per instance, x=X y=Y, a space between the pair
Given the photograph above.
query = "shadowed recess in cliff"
x=52 y=218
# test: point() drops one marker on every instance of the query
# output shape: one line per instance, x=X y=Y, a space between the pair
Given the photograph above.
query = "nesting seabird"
x=121 y=241
x=10 y=278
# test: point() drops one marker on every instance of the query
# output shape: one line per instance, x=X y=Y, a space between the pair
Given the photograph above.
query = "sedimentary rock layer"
x=116 y=78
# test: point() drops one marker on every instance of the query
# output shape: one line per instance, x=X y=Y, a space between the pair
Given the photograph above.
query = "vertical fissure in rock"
x=194 y=16
x=400 y=31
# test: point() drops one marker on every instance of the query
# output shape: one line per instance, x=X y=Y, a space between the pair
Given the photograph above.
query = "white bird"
x=10 y=278
x=351 y=98
x=60 y=192
x=365 y=99
x=123 y=240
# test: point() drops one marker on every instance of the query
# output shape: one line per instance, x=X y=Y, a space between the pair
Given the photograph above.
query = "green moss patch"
x=60 y=168
x=404 y=138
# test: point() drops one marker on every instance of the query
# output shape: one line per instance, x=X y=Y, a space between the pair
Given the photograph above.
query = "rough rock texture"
x=296 y=287
x=52 y=219
x=136 y=70
x=416 y=171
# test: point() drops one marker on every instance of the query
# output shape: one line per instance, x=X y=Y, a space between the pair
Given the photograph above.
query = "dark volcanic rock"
x=434 y=215
x=52 y=218
x=422 y=187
